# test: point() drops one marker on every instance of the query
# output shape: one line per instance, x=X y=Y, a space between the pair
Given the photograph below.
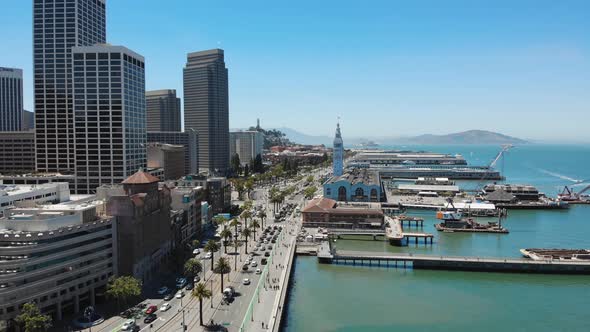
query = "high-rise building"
x=58 y=26
x=110 y=124
x=338 y=154
x=28 y=121
x=188 y=139
x=162 y=110
x=246 y=144
x=167 y=156
x=206 y=107
x=17 y=152
x=11 y=99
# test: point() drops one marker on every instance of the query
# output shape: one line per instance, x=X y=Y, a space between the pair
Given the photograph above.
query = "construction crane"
x=492 y=164
x=568 y=194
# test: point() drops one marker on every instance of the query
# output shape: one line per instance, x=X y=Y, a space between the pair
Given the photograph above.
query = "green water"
x=353 y=298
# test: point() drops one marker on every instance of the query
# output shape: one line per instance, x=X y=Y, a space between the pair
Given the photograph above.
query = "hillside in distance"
x=466 y=137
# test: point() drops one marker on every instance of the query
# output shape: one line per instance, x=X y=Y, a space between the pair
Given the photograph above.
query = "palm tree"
x=245 y=233
x=196 y=244
x=245 y=215
x=235 y=223
x=201 y=292
x=253 y=225
x=222 y=267
x=211 y=246
x=219 y=220
x=262 y=215
x=225 y=234
x=192 y=267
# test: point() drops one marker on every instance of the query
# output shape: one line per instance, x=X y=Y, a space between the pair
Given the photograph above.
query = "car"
x=265 y=241
x=245 y=267
x=269 y=247
x=247 y=262
x=263 y=261
x=246 y=281
x=128 y=325
x=163 y=290
x=196 y=279
x=179 y=295
x=168 y=297
x=254 y=264
x=267 y=254
x=208 y=255
x=273 y=241
x=150 y=318
x=181 y=282
x=259 y=271
x=165 y=306
x=151 y=309
x=196 y=251
x=190 y=287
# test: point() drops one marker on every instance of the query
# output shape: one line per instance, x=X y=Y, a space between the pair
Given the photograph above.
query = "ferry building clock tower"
x=338 y=152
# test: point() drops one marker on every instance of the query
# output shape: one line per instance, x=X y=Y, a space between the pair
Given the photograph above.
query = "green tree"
x=211 y=246
x=262 y=216
x=249 y=186
x=309 y=192
x=123 y=288
x=235 y=223
x=246 y=214
x=309 y=179
x=235 y=163
x=196 y=244
x=192 y=268
x=258 y=165
x=246 y=170
x=219 y=220
x=222 y=267
x=253 y=225
x=226 y=234
x=201 y=292
x=32 y=320
x=246 y=233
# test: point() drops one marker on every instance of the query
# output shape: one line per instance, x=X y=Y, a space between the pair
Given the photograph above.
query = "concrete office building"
x=58 y=26
x=206 y=108
x=188 y=202
x=142 y=212
x=110 y=125
x=247 y=144
x=218 y=190
x=162 y=110
x=11 y=99
x=188 y=139
x=167 y=156
x=17 y=152
x=65 y=255
x=22 y=195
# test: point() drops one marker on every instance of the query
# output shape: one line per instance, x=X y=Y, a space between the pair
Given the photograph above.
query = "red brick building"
x=325 y=212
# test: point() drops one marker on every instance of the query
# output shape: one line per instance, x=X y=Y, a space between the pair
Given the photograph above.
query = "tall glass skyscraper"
x=110 y=122
x=58 y=26
x=206 y=107
x=11 y=99
x=163 y=110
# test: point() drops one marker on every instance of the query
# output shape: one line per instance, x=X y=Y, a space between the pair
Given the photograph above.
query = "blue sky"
x=388 y=68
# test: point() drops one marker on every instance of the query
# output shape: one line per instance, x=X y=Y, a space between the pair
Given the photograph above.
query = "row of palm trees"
x=222 y=267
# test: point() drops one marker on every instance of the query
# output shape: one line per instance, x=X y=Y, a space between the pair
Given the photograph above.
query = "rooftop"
x=140 y=177
x=326 y=205
x=356 y=175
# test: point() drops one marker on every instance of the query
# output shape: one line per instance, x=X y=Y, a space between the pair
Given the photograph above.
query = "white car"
x=128 y=325
x=254 y=264
x=165 y=307
x=258 y=271
x=208 y=255
x=179 y=295
x=246 y=281
x=196 y=251
x=247 y=262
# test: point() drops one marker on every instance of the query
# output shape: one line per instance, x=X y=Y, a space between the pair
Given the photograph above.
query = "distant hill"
x=301 y=138
x=465 y=137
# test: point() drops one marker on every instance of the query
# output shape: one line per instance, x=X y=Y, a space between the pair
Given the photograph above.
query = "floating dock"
x=327 y=255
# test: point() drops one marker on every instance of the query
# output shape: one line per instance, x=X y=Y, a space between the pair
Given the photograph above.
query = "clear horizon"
x=391 y=69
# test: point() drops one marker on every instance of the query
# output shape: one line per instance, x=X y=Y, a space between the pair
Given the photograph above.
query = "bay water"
x=361 y=298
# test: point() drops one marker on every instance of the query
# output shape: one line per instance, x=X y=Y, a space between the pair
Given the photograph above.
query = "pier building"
x=355 y=185
x=325 y=212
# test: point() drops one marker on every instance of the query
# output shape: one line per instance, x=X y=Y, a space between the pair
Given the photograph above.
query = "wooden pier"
x=461 y=263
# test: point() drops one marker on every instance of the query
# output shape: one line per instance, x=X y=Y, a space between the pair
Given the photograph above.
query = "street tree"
x=309 y=192
x=123 y=288
x=201 y=292
x=211 y=246
x=253 y=225
x=226 y=234
x=192 y=268
x=222 y=267
x=262 y=215
x=32 y=320
x=246 y=233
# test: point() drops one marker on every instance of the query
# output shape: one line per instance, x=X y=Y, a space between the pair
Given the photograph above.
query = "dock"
x=328 y=255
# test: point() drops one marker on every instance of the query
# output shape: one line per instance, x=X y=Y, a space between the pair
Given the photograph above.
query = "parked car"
x=263 y=261
x=180 y=282
x=254 y=264
x=151 y=309
x=196 y=279
x=179 y=294
x=168 y=297
x=267 y=254
x=163 y=290
x=208 y=255
x=259 y=271
x=196 y=251
x=150 y=318
x=245 y=267
x=246 y=281
x=165 y=306
x=190 y=287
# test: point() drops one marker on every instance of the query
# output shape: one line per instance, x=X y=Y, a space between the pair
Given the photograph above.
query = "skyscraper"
x=338 y=152
x=59 y=25
x=246 y=144
x=163 y=110
x=11 y=99
x=110 y=125
x=206 y=107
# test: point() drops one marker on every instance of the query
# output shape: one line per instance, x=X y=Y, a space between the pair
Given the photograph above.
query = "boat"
x=453 y=221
